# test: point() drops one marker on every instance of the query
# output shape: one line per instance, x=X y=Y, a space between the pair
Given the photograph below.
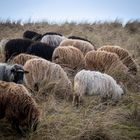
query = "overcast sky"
x=70 y=10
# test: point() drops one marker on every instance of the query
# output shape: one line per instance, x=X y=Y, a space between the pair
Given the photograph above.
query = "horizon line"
x=33 y=21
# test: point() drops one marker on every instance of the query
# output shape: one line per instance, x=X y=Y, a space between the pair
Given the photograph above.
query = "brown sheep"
x=82 y=45
x=2 y=49
x=103 y=61
x=43 y=75
x=123 y=55
x=18 y=107
x=68 y=56
x=21 y=58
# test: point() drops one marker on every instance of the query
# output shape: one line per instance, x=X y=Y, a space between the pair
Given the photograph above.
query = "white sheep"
x=52 y=40
x=95 y=83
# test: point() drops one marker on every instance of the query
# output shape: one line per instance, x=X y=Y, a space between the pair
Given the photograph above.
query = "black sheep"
x=52 y=33
x=79 y=38
x=16 y=46
x=32 y=35
x=42 y=50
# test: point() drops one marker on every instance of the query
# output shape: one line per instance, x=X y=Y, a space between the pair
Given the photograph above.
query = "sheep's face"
x=119 y=93
x=17 y=73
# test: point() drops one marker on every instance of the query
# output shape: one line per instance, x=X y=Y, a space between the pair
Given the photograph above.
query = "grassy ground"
x=94 y=120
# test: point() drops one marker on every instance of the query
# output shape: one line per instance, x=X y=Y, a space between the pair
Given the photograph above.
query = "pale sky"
x=70 y=10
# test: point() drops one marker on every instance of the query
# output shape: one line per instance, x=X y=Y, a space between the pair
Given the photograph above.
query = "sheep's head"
x=123 y=88
x=17 y=73
x=120 y=91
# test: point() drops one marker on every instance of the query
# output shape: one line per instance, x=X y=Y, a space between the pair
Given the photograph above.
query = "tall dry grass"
x=94 y=119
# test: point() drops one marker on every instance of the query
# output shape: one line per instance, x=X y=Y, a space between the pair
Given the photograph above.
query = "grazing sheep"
x=18 y=107
x=102 y=61
x=68 y=56
x=2 y=49
x=32 y=35
x=123 y=55
x=12 y=73
x=43 y=75
x=21 y=58
x=16 y=46
x=52 y=39
x=37 y=37
x=82 y=45
x=42 y=50
x=52 y=33
x=95 y=83
x=79 y=38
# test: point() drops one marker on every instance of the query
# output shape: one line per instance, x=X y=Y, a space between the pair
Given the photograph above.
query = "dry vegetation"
x=93 y=120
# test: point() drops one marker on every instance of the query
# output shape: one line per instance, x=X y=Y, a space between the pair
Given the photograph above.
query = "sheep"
x=32 y=35
x=79 y=38
x=37 y=37
x=12 y=73
x=21 y=58
x=16 y=46
x=2 y=49
x=44 y=74
x=90 y=83
x=103 y=61
x=123 y=55
x=52 y=39
x=68 y=56
x=41 y=49
x=18 y=107
x=82 y=45
x=52 y=33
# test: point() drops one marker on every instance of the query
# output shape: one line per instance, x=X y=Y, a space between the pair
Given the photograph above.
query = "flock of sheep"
x=37 y=62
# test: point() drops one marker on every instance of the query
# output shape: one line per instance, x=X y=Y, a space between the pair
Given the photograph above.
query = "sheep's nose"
x=123 y=93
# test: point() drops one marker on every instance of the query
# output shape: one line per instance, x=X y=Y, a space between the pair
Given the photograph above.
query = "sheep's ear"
x=26 y=71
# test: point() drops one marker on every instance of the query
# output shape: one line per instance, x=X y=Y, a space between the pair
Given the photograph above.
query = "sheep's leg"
x=77 y=99
x=36 y=88
x=73 y=102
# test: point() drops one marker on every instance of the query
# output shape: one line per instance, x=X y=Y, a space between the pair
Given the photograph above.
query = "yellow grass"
x=94 y=119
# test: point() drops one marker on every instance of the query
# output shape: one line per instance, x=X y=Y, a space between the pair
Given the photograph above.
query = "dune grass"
x=94 y=119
